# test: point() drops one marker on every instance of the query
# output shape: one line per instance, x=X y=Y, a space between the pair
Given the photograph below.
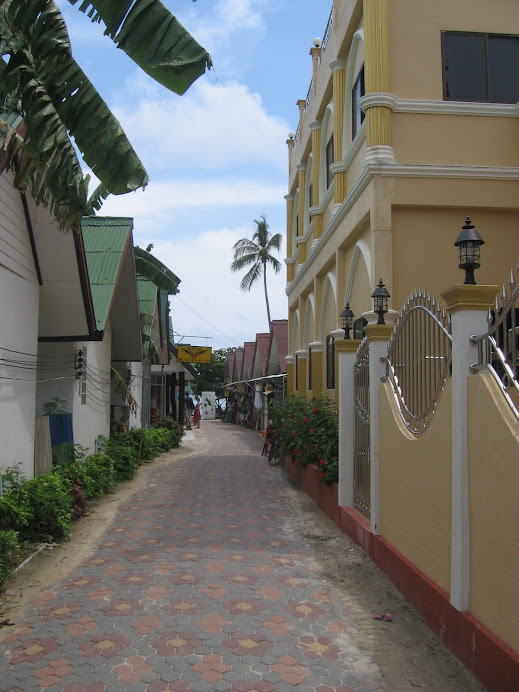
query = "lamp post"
x=347 y=320
x=468 y=243
x=380 y=296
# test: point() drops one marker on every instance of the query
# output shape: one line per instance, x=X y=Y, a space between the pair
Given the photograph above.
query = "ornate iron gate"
x=361 y=469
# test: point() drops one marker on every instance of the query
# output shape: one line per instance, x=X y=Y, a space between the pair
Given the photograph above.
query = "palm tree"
x=46 y=99
x=258 y=253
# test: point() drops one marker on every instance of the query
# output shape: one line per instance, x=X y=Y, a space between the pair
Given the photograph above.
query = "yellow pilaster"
x=291 y=272
x=317 y=229
x=301 y=372
x=376 y=66
x=317 y=219
x=317 y=369
x=301 y=171
x=290 y=222
x=290 y=374
x=290 y=146
x=301 y=248
x=339 y=95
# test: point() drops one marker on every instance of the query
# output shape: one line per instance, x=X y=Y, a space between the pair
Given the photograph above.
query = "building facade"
x=409 y=126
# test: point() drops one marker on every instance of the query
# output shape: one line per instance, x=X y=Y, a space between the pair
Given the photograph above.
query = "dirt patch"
x=408 y=654
x=53 y=564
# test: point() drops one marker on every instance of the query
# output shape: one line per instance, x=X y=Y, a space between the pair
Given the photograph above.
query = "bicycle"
x=276 y=452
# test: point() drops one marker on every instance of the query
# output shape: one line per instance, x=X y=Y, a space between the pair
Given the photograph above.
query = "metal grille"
x=326 y=36
x=419 y=359
x=361 y=467
x=498 y=348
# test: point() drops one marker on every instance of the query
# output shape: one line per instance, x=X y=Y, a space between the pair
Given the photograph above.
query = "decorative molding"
x=506 y=110
x=352 y=152
x=289 y=198
x=301 y=167
x=338 y=64
x=406 y=170
x=316 y=346
x=380 y=154
x=300 y=354
x=315 y=125
x=355 y=192
x=469 y=297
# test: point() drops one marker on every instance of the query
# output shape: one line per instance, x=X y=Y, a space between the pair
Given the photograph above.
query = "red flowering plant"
x=309 y=431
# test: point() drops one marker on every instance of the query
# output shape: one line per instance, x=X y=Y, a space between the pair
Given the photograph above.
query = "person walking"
x=189 y=407
x=198 y=413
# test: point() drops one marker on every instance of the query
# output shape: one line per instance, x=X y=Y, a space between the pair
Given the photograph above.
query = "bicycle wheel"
x=275 y=454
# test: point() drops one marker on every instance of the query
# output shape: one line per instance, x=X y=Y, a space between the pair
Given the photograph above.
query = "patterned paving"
x=197 y=585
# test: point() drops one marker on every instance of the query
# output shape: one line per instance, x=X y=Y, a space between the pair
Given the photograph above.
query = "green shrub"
x=9 y=551
x=101 y=475
x=309 y=431
x=38 y=509
x=123 y=453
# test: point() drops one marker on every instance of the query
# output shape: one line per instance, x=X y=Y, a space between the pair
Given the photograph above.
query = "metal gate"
x=361 y=465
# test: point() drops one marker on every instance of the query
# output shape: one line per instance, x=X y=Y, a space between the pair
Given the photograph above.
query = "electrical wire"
x=32 y=355
x=49 y=379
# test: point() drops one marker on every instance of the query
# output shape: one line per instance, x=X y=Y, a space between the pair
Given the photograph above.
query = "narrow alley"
x=218 y=574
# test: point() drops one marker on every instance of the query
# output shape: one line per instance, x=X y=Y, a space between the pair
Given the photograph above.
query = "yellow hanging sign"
x=194 y=354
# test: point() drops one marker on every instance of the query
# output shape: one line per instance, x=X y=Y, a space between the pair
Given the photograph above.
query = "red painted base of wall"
x=488 y=658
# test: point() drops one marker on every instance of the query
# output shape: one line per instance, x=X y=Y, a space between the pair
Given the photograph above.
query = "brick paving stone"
x=193 y=587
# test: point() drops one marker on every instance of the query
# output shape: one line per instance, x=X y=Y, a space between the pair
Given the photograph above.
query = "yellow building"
x=409 y=126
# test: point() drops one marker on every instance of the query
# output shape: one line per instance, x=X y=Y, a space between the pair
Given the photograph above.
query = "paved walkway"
x=194 y=586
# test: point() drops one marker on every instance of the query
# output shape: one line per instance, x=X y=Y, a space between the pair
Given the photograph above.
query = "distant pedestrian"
x=198 y=413
x=189 y=407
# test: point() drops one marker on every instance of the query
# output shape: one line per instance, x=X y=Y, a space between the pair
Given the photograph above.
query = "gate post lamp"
x=380 y=296
x=347 y=321
x=468 y=243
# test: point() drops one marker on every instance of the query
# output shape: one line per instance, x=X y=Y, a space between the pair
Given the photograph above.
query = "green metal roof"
x=105 y=239
x=147 y=302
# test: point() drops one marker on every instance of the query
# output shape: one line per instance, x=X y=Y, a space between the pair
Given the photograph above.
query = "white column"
x=378 y=336
x=346 y=354
x=468 y=307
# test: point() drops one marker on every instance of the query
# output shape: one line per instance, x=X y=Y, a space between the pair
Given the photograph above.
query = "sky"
x=217 y=156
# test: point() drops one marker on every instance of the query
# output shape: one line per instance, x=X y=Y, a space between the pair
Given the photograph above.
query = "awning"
x=257 y=379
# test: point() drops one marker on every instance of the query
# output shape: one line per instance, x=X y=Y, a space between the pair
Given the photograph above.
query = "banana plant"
x=42 y=84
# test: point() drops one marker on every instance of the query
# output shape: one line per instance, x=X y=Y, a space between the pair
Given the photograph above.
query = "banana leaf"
x=153 y=38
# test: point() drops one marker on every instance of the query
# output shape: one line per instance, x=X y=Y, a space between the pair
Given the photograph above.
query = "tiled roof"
x=280 y=335
x=239 y=363
x=105 y=240
x=230 y=366
x=263 y=349
x=249 y=348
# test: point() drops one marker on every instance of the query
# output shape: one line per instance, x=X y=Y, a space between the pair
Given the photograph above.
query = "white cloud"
x=211 y=289
x=228 y=18
x=211 y=127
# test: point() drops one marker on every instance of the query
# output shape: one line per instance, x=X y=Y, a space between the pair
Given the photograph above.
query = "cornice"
x=301 y=166
x=290 y=198
x=469 y=297
x=315 y=125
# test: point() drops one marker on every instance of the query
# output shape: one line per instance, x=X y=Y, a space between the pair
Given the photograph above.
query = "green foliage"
x=42 y=508
x=9 y=551
x=38 y=509
x=210 y=376
x=309 y=431
x=57 y=404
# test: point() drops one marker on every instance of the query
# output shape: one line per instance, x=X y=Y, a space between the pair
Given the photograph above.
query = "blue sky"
x=216 y=156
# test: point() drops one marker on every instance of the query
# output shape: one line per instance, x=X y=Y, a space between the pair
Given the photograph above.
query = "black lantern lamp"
x=468 y=243
x=347 y=320
x=380 y=296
